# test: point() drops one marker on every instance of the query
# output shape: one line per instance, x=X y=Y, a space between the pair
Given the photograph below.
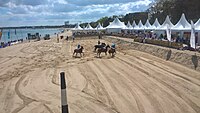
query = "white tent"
x=129 y=26
x=88 y=27
x=140 y=26
x=99 y=27
x=147 y=25
x=116 y=26
x=182 y=24
x=166 y=23
x=155 y=25
x=77 y=27
x=134 y=24
x=197 y=25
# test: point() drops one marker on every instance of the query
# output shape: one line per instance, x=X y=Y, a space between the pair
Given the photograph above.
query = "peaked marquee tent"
x=147 y=25
x=166 y=23
x=116 y=26
x=156 y=25
x=129 y=26
x=140 y=26
x=182 y=24
x=99 y=27
x=88 y=27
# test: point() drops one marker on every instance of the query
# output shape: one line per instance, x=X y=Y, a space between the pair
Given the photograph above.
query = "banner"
x=192 y=37
x=168 y=30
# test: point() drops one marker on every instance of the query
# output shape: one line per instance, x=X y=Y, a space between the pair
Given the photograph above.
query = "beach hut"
x=182 y=25
x=116 y=26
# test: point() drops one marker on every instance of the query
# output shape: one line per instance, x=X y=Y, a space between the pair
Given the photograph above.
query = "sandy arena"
x=131 y=82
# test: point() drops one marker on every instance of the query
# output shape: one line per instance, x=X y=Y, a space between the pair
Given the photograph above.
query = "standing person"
x=57 y=39
x=78 y=46
x=67 y=38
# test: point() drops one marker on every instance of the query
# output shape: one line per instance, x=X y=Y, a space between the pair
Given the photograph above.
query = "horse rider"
x=78 y=46
x=113 y=46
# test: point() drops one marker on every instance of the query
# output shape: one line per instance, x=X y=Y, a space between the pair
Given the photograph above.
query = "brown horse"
x=112 y=51
x=103 y=49
x=80 y=51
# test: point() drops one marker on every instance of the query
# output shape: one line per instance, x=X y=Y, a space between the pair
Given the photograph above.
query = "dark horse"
x=103 y=49
x=112 y=51
x=80 y=51
x=99 y=46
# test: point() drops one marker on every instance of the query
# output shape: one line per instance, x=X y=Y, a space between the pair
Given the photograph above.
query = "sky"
x=56 y=12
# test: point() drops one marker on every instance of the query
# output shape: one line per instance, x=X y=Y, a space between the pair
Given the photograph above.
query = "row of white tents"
x=182 y=26
x=117 y=26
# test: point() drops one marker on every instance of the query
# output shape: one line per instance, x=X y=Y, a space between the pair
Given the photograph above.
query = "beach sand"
x=131 y=82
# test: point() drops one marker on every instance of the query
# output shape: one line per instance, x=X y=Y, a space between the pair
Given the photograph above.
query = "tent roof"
x=147 y=25
x=117 y=24
x=77 y=27
x=182 y=24
x=99 y=27
x=140 y=26
x=197 y=25
x=166 y=23
x=129 y=26
x=88 y=27
x=134 y=24
x=156 y=24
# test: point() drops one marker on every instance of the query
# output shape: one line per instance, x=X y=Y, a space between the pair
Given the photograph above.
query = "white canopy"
x=140 y=26
x=129 y=26
x=88 y=27
x=134 y=24
x=99 y=27
x=116 y=24
x=197 y=25
x=182 y=24
x=147 y=25
x=155 y=25
x=166 y=23
x=77 y=27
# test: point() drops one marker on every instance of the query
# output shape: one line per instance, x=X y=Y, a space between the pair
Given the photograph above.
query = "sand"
x=131 y=82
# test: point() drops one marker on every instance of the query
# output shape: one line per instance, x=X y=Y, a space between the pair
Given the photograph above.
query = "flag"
x=9 y=34
x=168 y=30
x=1 y=32
x=192 y=37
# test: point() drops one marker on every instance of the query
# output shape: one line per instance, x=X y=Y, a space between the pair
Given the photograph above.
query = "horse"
x=112 y=51
x=99 y=46
x=103 y=49
x=80 y=51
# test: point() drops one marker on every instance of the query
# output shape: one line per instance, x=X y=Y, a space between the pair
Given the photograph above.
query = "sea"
x=16 y=34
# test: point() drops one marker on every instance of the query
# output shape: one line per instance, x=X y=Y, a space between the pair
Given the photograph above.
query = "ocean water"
x=22 y=33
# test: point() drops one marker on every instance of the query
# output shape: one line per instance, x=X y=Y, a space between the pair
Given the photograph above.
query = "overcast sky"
x=55 y=12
